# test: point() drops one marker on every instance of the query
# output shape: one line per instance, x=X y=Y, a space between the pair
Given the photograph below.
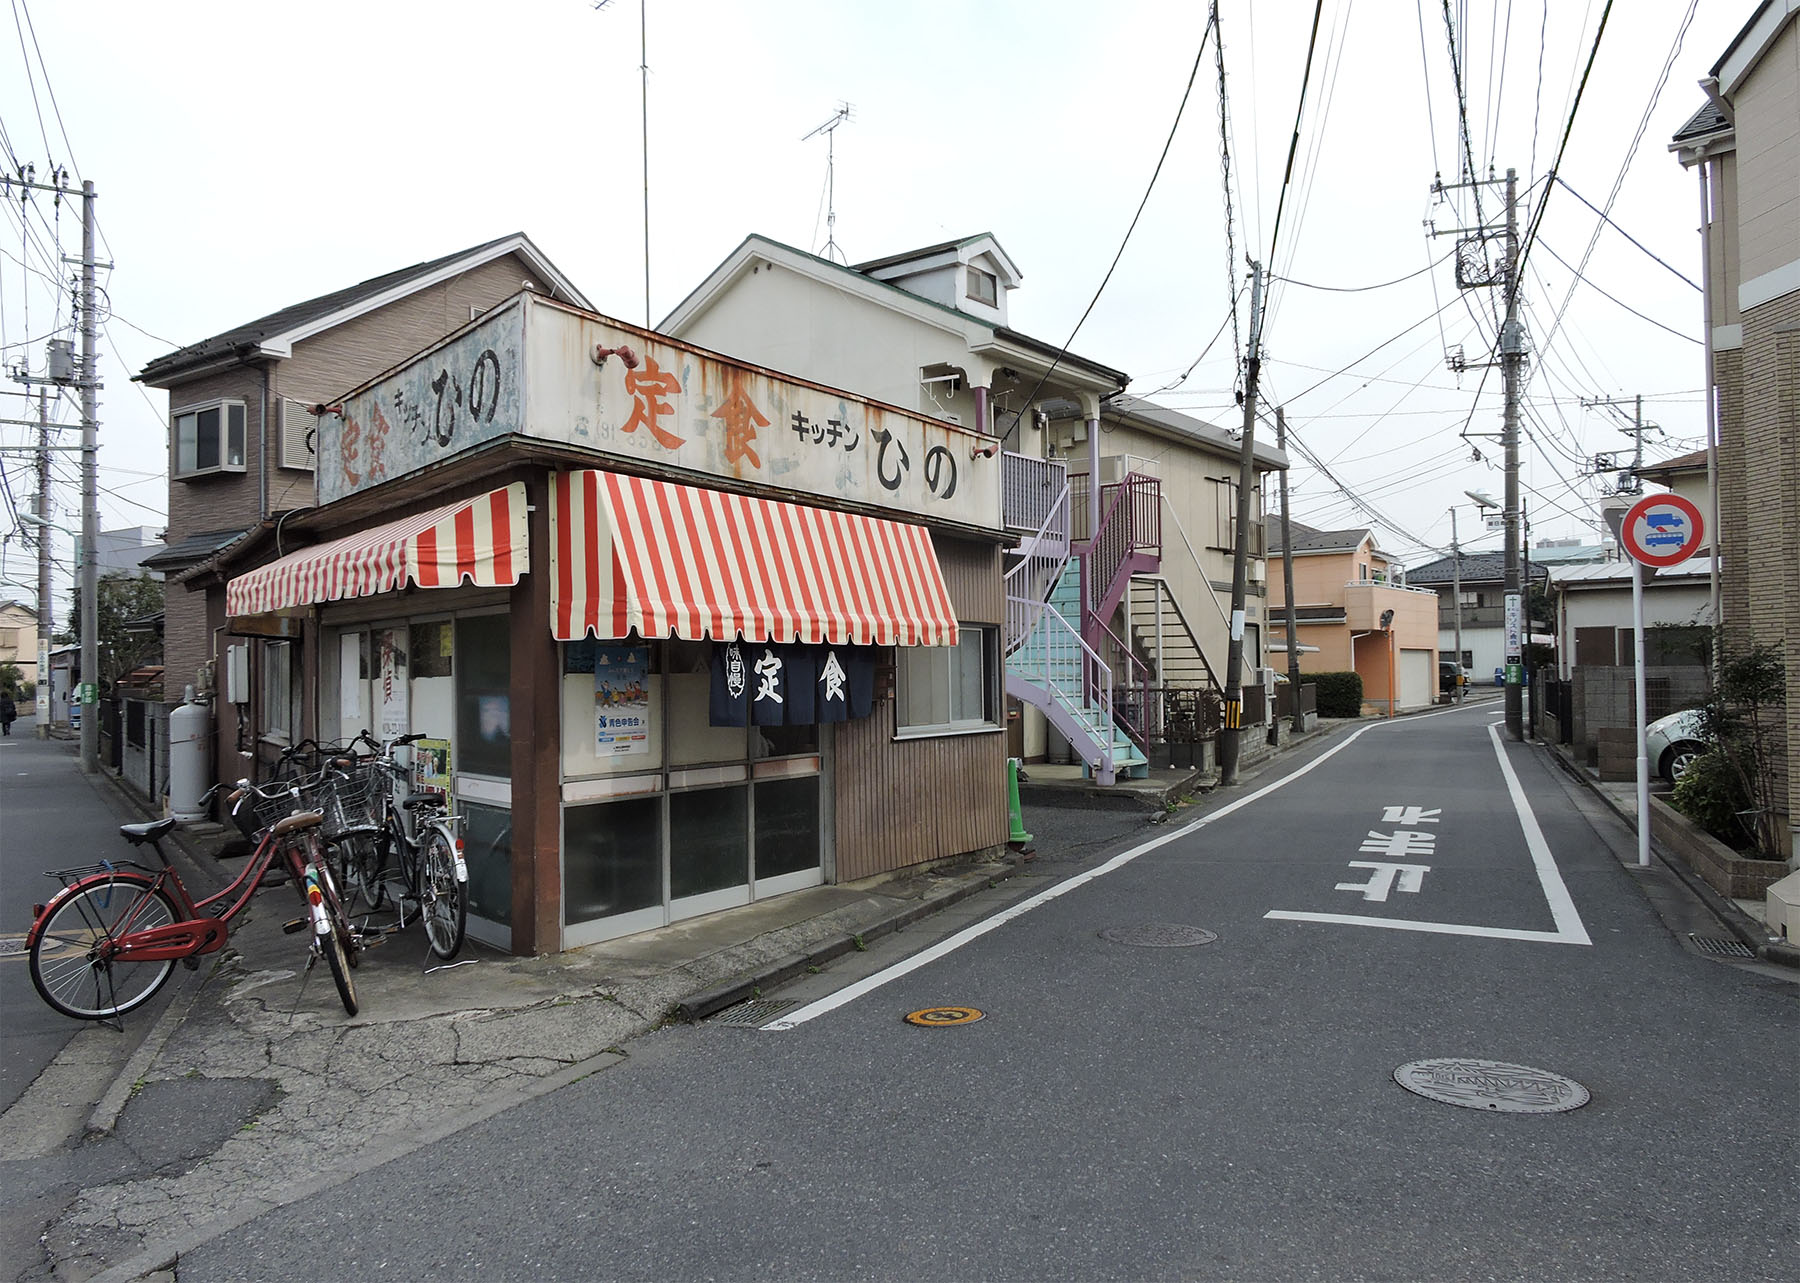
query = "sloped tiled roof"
x=1708 y=120
x=1695 y=460
x=1307 y=539
x=1477 y=568
x=189 y=551
x=299 y=315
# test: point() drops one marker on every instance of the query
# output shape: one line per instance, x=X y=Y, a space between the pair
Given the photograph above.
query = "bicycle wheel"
x=443 y=901
x=66 y=966
x=363 y=877
x=337 y=957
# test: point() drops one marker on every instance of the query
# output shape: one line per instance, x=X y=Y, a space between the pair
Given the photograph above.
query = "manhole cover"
x=754 y=1013
x=933 y=1017
x=12 y=944
x=1491 y=1085
x=1721 y=948
x=1159 y=935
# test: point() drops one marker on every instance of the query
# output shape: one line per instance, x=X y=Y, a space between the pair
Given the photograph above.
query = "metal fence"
x=143 y=746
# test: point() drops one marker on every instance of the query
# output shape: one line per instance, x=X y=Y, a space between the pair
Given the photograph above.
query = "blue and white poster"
x=621 y=700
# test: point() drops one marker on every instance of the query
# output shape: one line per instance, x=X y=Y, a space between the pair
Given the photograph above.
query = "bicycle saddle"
x=298 y=820
x=138 y=834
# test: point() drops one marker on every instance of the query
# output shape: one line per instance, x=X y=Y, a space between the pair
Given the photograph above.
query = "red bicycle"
x=107 y=941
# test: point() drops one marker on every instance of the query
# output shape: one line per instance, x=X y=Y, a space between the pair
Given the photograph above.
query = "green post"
x=1012 y=802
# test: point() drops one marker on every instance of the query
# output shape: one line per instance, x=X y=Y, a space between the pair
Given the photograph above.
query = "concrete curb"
x=106 y=1113
x=710 y=1001
x=1749 y=932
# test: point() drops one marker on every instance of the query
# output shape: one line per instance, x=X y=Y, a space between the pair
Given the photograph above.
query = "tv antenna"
x=842 y=115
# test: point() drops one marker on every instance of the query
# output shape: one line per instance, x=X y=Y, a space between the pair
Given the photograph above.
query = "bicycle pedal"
x=296 y=926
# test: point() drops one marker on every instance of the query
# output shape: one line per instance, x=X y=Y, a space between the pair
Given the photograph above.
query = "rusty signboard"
x=531 y=369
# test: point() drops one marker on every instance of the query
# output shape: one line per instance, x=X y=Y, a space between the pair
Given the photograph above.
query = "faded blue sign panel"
x=456 y=397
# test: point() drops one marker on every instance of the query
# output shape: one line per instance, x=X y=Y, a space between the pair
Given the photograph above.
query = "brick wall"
x=1771 y=503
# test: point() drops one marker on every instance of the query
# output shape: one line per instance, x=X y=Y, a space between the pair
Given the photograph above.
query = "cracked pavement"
x=257 y=1089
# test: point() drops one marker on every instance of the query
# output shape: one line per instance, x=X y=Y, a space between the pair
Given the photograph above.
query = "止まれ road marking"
x=1569 y=929
x=1408 y=877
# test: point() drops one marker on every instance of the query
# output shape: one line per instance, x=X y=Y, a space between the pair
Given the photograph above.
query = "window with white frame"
x=280 y=692
x=984 y=287
x=942 y=689
x=209 y=438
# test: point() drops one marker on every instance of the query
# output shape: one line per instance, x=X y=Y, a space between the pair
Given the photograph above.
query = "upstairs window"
x=984 y=287
x=209 y=438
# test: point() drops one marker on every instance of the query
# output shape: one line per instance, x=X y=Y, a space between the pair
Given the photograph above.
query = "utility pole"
x=90 y=495
x=1474 y=271
x=1287 y=577
x=1512 y=356
x=1525 y=548
x=46 y=598
x=1456 y=590
x=1234 y=664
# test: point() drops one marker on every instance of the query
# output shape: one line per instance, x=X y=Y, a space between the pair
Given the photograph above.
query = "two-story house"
x=1743 y=145
x=927 y=330
x=683 y=634
x=242 y=447
x=1355 y=613
x=1483 y=616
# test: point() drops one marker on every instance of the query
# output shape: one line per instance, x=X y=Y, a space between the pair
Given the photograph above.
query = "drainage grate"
x=1492 y=1085
x=1159 y=935
x=1721 y=948
x=753 y=1014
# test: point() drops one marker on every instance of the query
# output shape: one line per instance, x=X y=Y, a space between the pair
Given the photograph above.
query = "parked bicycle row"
x=340 y=823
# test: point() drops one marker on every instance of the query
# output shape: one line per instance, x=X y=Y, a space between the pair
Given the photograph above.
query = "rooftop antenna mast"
x=842 y=115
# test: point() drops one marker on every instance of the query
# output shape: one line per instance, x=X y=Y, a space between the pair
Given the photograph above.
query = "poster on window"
x=393 y=687
x=621 y=700
x=431 y=766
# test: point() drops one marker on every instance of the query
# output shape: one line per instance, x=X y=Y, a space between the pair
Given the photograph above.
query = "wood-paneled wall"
x=906 y=802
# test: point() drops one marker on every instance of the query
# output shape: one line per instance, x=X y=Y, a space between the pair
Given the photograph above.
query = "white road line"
x=868 y=984
x=1562 y=908
x=1435 y=928
x=1569 y=929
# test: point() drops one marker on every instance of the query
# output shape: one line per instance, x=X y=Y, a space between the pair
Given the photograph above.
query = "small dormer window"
x=984 y=287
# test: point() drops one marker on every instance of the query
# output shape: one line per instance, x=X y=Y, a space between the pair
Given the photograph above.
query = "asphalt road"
x=1226 y=1110
x=50 y=816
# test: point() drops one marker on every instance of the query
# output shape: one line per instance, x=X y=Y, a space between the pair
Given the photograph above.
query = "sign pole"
x=1658 y=530
x=1643 y=751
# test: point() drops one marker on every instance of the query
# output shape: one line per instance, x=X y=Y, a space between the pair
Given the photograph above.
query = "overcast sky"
x=248 y=157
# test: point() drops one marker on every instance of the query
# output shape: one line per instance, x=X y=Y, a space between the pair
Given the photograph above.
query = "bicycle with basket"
x=109 y=939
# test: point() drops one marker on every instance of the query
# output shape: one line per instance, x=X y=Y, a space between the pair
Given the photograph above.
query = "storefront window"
x=487 y=847
x=484 y=695
x=612 y=858
x=707 y=850
x=787 y=826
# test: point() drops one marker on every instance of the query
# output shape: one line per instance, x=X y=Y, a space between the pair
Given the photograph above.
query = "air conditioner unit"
x=237 y=674
x=298 y=443
x=1115 y=467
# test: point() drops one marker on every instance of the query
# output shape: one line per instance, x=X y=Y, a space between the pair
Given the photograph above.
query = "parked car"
x=1451 y=678
x=1673 y=742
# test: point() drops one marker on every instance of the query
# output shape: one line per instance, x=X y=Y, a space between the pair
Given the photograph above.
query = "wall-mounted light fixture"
x=624 y=354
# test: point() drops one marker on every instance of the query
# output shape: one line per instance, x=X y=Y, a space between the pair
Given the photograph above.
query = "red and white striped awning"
x=631 y=553
x=481 y=541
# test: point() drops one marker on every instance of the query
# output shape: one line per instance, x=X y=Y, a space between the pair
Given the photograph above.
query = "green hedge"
x=1340 y=694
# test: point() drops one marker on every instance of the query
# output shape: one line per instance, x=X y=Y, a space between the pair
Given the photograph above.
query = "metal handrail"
x=1060 y=647
x=1042 y=560
x=1139 y=728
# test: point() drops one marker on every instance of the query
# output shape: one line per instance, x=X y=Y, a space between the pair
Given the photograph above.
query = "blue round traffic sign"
x=1662 y=530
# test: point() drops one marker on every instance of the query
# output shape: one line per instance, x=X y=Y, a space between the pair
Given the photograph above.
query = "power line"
x=1679 y=275
x=1537 y=221
x=1168 y=142
x=1294 y=142
x=1609 y=298
x=1363 y=289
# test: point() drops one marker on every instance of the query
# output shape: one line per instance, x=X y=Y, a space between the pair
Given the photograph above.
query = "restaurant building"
x=683 y=633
